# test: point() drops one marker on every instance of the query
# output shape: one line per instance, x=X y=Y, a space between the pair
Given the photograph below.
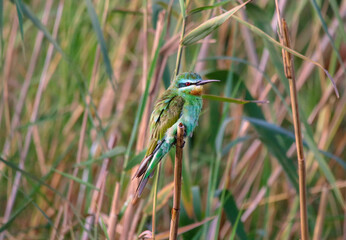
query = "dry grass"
x=76 y=96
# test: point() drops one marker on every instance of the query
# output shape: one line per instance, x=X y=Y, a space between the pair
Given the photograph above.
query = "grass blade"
x=19 y=7
x=69 y=176
x=287 y=134
x=1 y=29
x=230 y=100
x=325 y=28
x=111 y=153
x=233 y=214
x=14 y=216
x=200 y=9
x=27 y=12
x=209 y=26
x=97 y=28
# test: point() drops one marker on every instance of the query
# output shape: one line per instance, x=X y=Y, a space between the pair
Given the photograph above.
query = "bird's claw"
x=182 y=144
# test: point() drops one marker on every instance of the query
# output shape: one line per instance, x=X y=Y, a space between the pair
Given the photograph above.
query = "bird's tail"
x=139 y=173
x=142 y=170
x=142 y=183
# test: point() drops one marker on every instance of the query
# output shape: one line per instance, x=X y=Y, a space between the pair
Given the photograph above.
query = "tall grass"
x=78 y=83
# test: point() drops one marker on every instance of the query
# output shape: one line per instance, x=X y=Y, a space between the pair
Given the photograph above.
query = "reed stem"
x=157 y=177
x=289 y=72
x=177 y=183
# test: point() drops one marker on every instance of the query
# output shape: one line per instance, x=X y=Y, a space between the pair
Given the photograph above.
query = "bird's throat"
x=197 y=91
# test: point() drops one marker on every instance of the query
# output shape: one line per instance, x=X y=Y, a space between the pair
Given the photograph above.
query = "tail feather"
x=145 y=162
x=142 y=167
x=141 y=186
x=147 y=168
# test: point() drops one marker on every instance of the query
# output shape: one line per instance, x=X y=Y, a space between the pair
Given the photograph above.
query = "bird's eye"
x=187 y=84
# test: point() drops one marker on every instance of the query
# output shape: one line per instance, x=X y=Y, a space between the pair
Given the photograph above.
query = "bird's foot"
x=182 y=144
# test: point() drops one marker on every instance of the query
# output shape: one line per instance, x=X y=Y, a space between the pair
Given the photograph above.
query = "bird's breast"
x=191 y=113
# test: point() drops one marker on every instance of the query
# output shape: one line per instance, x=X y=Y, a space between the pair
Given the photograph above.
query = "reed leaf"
x=209 y=26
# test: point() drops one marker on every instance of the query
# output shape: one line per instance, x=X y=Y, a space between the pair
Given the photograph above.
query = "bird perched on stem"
x=180 y=103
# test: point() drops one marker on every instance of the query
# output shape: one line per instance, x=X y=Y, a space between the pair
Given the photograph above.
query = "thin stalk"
x=177 y=183
x=290 y=75
x=321 y=214
x=180 y=49
x=157 y=176
x=113 y=216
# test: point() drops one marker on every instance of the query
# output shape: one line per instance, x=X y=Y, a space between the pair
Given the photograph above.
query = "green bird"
x=180 y=103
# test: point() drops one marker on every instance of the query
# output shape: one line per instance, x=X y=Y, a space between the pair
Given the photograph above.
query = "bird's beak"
x=206 y=81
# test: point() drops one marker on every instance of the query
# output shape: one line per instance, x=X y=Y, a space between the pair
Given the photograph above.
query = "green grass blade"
x=30 y=176
x=197 y=202
x=235 y=227
x=69 y=176
x=231 y=144
x=182 y=8
x=111 y=153
x=19 y=6
x=290 y=135
x=224 y=74
x=126 y=11
x=97 y=28
x=1 y=29
x=336 y=9
x=14 y=216
x=200 y=9
x=220 y=134
x=232 y=214
x=230 y=100
x=27 y=12
x=43 y=213
x=209 y=26
x=104 y=228
x=325 y=28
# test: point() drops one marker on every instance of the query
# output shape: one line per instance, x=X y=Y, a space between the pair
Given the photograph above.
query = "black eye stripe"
x=186 y=84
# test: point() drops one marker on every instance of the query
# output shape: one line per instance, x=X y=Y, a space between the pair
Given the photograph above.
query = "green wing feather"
x=166 y=112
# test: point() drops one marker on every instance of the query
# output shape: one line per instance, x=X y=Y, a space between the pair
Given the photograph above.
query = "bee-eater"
x=180 y=103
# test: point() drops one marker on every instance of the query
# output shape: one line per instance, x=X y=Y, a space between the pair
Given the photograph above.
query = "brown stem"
x=180 y=50
x=177 y=183
x=289 y=72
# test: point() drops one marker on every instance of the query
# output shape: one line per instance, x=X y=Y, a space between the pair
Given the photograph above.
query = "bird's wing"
x=166 y=112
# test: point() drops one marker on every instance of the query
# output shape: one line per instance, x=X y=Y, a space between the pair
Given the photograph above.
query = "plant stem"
x=157 y=176
x=177 y=183
x=180 y=50
x=289 y=72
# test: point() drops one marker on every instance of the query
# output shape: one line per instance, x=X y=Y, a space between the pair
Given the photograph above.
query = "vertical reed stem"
x=289 y=72
x=180 y=50
x=157 y=176
x=177 y=183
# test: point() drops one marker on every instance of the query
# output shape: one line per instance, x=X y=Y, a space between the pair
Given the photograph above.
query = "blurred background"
x=78 y=83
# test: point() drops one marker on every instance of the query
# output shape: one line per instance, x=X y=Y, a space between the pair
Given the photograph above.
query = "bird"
x=181 y=103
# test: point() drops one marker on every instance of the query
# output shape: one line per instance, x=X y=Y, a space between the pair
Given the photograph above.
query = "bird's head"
x=190 y=83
